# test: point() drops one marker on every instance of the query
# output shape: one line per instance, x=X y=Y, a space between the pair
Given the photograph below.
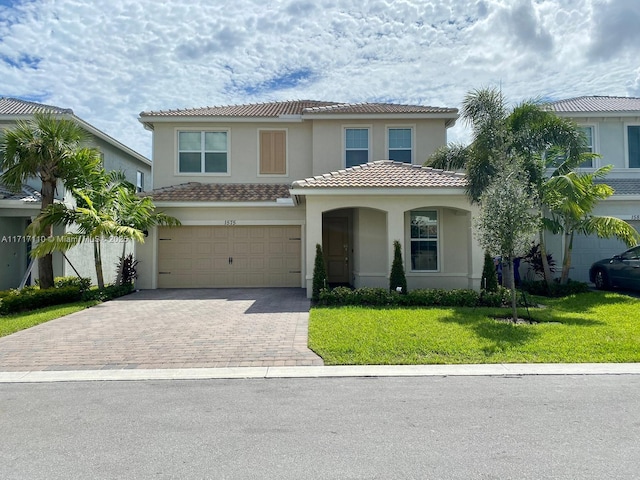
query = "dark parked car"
x=620 y=271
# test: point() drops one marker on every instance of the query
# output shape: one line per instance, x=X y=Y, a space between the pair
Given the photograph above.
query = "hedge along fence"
x=381 y=297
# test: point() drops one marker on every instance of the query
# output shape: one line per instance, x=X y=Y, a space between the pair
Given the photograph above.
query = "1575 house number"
x=229 y=222
x=635 y=217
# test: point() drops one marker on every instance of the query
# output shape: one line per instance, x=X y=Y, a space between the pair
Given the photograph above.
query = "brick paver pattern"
x=192 y=328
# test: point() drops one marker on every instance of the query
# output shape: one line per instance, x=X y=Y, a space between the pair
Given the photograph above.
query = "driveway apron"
x=172 y=328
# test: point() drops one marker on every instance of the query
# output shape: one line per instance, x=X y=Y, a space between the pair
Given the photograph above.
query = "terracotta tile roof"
x=296 y=107
x=386 y=174
x=373 y=108
x=219 y=192
x=26 y=194
x=597 y=104
x=623 y=186
x=15 y=106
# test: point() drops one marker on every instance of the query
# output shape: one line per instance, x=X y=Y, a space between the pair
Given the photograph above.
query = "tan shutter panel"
x=273 y=152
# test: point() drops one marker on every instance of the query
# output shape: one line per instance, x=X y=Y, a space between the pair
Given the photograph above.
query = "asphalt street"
x=508 y=427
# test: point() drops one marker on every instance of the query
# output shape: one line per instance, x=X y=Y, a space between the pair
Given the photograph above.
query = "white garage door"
x=587 y=250
x=233 y=256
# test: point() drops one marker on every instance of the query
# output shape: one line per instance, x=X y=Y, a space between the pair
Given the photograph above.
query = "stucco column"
x=476 y=253
x=395 y=231
x=313 y=237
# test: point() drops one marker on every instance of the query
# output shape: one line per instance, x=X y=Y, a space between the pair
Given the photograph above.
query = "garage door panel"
x=199 y=256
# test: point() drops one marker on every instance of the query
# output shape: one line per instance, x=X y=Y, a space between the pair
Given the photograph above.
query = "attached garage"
x=229 y=256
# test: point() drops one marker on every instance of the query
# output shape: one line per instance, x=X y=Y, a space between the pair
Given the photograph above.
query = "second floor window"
x=588 y=133
x=139 y=181
x=356 y=146
x=633 y=140
x=400 y=144
x=202 y=152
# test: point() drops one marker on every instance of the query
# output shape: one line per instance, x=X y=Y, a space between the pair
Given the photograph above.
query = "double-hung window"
x=203 y=152
x=424 y=240
x=633 y=145
x=588 y=134
x=400 y=144
x=356 y=142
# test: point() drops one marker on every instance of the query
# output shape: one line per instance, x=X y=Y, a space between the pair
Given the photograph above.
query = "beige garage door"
x=234 y=256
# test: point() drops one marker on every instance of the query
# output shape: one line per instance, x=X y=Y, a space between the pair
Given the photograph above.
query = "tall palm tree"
x=530 y=133
x=45 y=147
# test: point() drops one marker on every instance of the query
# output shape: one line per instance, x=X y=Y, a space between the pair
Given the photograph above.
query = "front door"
x=336 y=249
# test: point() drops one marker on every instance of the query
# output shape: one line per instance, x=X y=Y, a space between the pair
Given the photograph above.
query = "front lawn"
x=19 y=321
x=589 y=327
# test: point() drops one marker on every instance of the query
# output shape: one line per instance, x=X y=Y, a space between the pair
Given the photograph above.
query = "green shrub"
x=319 y=275
x=108 y=293
x=81 y=282
x=540 y=287
x=380 y=297
x=31 y=298
x=127 y=266
x=498 y=298
x=397 y=279
x=373 y=297
x=489 y=281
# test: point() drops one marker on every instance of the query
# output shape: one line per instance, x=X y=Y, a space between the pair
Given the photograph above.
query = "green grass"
x=19 y=321
x=590 y=327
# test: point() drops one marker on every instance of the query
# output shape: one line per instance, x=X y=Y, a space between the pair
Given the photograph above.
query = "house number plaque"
x=229 y=222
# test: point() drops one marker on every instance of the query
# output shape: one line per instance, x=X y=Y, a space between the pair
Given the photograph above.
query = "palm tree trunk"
x=545 y=262
x=566 y=258
x=98 y=261
x=45 y=264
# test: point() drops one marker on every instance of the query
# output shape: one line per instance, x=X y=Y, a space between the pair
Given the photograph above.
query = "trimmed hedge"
x=108 y=293
x=381 y=297
x=31 y=298
x=540 y=287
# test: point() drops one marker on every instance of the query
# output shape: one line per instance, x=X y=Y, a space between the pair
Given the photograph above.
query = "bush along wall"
x=381 y=297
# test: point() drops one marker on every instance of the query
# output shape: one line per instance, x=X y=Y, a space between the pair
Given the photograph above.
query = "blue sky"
x=108 y=60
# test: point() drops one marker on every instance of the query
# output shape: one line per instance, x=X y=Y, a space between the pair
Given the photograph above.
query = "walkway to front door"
x=190 y=328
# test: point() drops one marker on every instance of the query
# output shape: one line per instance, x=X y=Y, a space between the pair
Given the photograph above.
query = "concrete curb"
x=503 y=369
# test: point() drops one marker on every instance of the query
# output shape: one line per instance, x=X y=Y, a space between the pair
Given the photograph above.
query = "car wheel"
x=601 y=280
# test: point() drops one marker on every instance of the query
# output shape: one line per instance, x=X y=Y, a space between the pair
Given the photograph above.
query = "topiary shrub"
x=319 y=275
x=397 y=279
x=489 y=282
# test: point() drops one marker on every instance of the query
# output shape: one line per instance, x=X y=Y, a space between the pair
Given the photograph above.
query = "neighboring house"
x=612 y=127
x=17 y=209
x=257 y=186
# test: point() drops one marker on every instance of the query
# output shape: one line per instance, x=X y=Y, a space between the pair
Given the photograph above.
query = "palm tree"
x=571 y=197
x=45 y=147
x=106 y=208
x=528 y=133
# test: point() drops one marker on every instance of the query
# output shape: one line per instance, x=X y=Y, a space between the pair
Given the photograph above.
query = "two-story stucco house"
x=17 y=209
x=612 y=127
x=257 y=186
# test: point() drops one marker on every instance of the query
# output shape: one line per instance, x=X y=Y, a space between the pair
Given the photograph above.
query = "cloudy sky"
x=109 y=60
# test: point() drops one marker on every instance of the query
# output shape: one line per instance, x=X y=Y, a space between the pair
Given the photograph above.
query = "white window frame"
x=438 y=240
x=139 y=181
x=367 y=127
x=202 y=151
x=626 y=144
x=400 y=127
x=594 y=143
x=286 y=153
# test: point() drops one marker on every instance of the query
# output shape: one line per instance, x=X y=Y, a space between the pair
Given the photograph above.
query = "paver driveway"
x=171 y=329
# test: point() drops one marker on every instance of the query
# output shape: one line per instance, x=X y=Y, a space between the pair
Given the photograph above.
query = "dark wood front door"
x=336 y=249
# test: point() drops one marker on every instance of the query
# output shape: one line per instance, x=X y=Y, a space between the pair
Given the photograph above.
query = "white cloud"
x=110 y=59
